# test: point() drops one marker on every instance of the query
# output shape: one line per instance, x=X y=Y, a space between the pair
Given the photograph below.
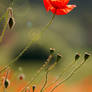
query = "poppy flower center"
x=58 y=4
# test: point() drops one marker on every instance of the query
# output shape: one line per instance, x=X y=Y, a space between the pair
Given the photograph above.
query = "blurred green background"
x=68 y=34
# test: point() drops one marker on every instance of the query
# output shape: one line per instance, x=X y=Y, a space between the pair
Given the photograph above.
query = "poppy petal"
x=59 y=3
x=47 y=4
x=66 y=10
x=53 y=10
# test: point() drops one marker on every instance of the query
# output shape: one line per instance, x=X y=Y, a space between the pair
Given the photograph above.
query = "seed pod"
x=52 y=50
x=11 y=22
x=6 y=83
x=59 y=57
x=77 y=56
x=33 y=87
x=86 y=56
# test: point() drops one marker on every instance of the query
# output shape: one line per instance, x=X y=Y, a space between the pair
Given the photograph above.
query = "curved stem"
x=61 y=74
x=38 y=72
x=28 y=45
x=68 y=77
x=45 y=82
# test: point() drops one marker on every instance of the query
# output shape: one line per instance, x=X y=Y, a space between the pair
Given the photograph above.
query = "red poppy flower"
x=58 y=7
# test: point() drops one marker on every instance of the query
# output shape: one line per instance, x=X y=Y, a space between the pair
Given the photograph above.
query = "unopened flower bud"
x=33 y=87
x=6 y=83
x=86 y=56
x=11 y=22
x=58 y=57
x=52 y=50
x=77 y=56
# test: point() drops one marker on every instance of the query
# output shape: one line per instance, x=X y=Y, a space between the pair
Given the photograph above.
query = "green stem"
x=5 y=26
x=45 y=81
x=64 y=71
x=28 y=45
x=68 y=77
x=38 y=72
x=50 y=22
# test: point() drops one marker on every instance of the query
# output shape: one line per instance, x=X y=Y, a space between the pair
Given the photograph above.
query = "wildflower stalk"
x=46 y=79
x=27 y=46
x=5 y=26
x=49 y=23
x=14 y=60
x=39 y=71
x=61 y=74
x=69 y=76
x=77 y=56
x=49 y=69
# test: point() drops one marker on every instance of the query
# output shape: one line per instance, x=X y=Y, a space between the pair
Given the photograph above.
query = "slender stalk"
x=5 y=26
x=64 y=71
x=45 y=82
x=38 y=72
x=14 y=60
x=28 y=45
x=49 y=23
x=68 y=77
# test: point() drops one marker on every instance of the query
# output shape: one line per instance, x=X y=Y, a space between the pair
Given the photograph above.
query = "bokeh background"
x=68 y=34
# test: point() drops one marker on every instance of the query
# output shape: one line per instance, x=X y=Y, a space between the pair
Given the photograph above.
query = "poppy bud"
x=86 y=56
x=6 y=83
x=11 y=22
x=77 y=56
x=33 y=87
x=52 y=50
x=58 y=57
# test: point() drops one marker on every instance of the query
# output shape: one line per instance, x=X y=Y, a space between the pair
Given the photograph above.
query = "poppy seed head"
x=52 y=50
x=59 y=56
x=86 y=56
x=77 y=56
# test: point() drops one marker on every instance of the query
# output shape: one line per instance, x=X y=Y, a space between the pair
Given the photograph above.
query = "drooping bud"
x=6 y=83
x=86 y=56
x=11 y=21
x=33 y=87
x=59 y=57
x=77 y=56
x=52 y=50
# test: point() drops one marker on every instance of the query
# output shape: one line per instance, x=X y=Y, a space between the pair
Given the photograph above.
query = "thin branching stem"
x=64 y=71
x=68 y=77
x=39 y=71
x=28 y=45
